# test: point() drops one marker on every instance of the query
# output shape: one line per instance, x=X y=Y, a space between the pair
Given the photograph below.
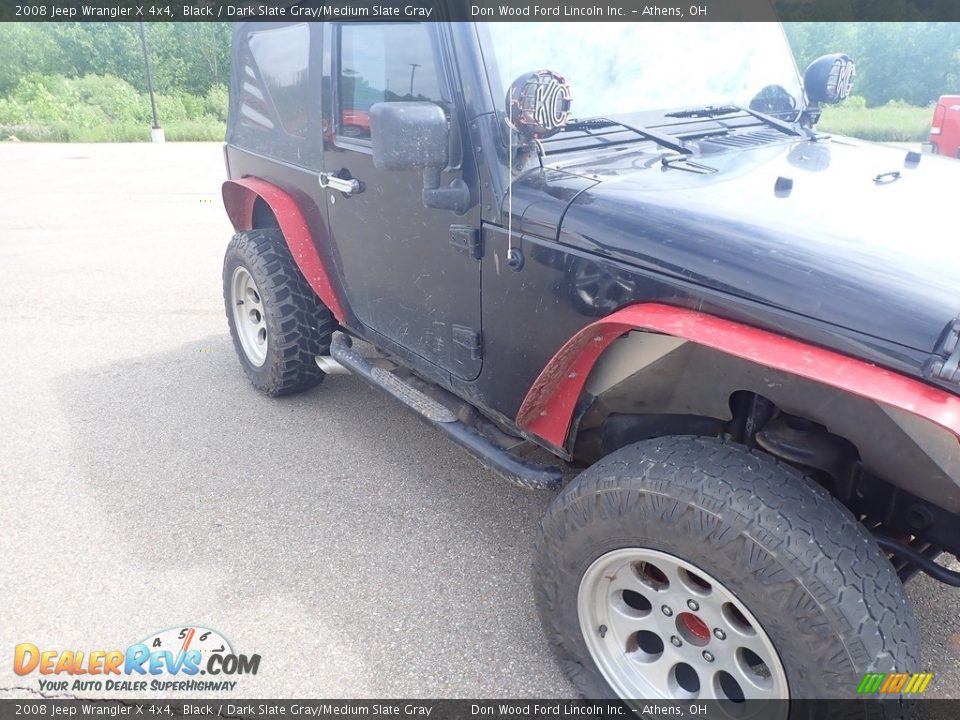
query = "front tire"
x=278 y=324
x=706 y=562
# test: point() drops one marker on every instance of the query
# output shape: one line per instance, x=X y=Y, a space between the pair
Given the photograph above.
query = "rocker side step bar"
x=531 y=476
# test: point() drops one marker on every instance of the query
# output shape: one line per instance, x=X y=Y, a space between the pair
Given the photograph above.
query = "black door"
x=406 y=278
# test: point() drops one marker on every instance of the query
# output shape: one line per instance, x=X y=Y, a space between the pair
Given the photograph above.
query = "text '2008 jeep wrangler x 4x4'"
x=628 y=245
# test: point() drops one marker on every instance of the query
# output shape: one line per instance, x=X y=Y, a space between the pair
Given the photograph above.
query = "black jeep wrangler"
x=625 y=251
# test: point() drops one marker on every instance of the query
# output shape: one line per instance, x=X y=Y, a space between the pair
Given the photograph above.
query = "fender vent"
x=741 y=140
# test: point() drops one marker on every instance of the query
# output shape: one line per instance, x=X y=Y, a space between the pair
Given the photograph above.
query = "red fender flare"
x=239 y=197
x=548 y=407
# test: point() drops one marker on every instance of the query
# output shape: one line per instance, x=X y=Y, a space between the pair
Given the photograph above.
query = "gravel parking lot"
x=146 y=485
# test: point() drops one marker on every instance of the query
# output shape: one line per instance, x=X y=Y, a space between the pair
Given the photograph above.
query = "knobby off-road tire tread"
x=299 y=325
x=837 y=606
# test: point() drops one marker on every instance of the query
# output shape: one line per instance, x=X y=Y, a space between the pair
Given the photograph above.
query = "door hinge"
x=945 y=365
x=468 y=341
x=467 y=240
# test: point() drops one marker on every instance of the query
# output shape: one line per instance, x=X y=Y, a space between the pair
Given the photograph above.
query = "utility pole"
x=413 y=70
x=156 y=132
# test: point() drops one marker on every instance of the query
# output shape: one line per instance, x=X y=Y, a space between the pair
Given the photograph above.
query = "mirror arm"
x=456 y=196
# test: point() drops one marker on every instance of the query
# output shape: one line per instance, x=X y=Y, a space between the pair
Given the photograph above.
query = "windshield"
x=620 y=68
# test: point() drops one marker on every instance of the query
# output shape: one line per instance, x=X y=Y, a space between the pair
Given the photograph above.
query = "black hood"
x=852 y=234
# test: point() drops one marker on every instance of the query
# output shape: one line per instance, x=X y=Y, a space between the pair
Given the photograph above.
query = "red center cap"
x=697 y=627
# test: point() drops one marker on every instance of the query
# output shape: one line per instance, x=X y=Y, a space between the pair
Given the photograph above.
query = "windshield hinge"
x=945 y=364
x=467 y=240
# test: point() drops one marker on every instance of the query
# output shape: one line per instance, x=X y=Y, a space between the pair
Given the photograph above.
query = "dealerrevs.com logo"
x=171 y=660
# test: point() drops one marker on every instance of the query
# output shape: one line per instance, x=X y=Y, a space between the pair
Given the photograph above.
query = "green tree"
x=27 y=48
x=186 y=57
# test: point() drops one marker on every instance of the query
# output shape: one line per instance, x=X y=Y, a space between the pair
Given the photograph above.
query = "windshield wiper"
x=662 y=139
x=705 y=111
x=717 y=110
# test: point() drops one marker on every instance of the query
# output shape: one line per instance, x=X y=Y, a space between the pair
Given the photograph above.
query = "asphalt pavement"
x=146 y=485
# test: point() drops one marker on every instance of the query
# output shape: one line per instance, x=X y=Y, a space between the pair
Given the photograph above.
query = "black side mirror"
x=829 y=79
x=416 y=136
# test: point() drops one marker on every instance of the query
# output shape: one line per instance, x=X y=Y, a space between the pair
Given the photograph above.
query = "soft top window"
x=282 y=60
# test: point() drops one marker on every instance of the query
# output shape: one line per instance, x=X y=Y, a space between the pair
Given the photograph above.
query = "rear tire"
x=277 y=322
x=813 y=580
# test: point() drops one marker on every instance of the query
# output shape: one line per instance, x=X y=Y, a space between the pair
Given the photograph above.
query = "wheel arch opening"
x=894 y=470
x=650 y=384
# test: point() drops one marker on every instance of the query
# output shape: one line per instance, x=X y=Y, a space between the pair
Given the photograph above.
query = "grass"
x=893 y=122
x=177 y=131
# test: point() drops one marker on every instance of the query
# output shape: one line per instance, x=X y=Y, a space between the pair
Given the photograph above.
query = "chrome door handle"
x=351 y=186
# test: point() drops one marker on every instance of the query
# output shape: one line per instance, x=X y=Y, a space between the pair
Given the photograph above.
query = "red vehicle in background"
x=945 y=129
x=355 y=123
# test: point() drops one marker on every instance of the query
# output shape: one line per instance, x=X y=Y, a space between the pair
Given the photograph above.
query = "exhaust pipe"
x=331 y=366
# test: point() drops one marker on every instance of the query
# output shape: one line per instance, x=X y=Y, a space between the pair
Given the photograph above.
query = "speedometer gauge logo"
x=184 y=639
